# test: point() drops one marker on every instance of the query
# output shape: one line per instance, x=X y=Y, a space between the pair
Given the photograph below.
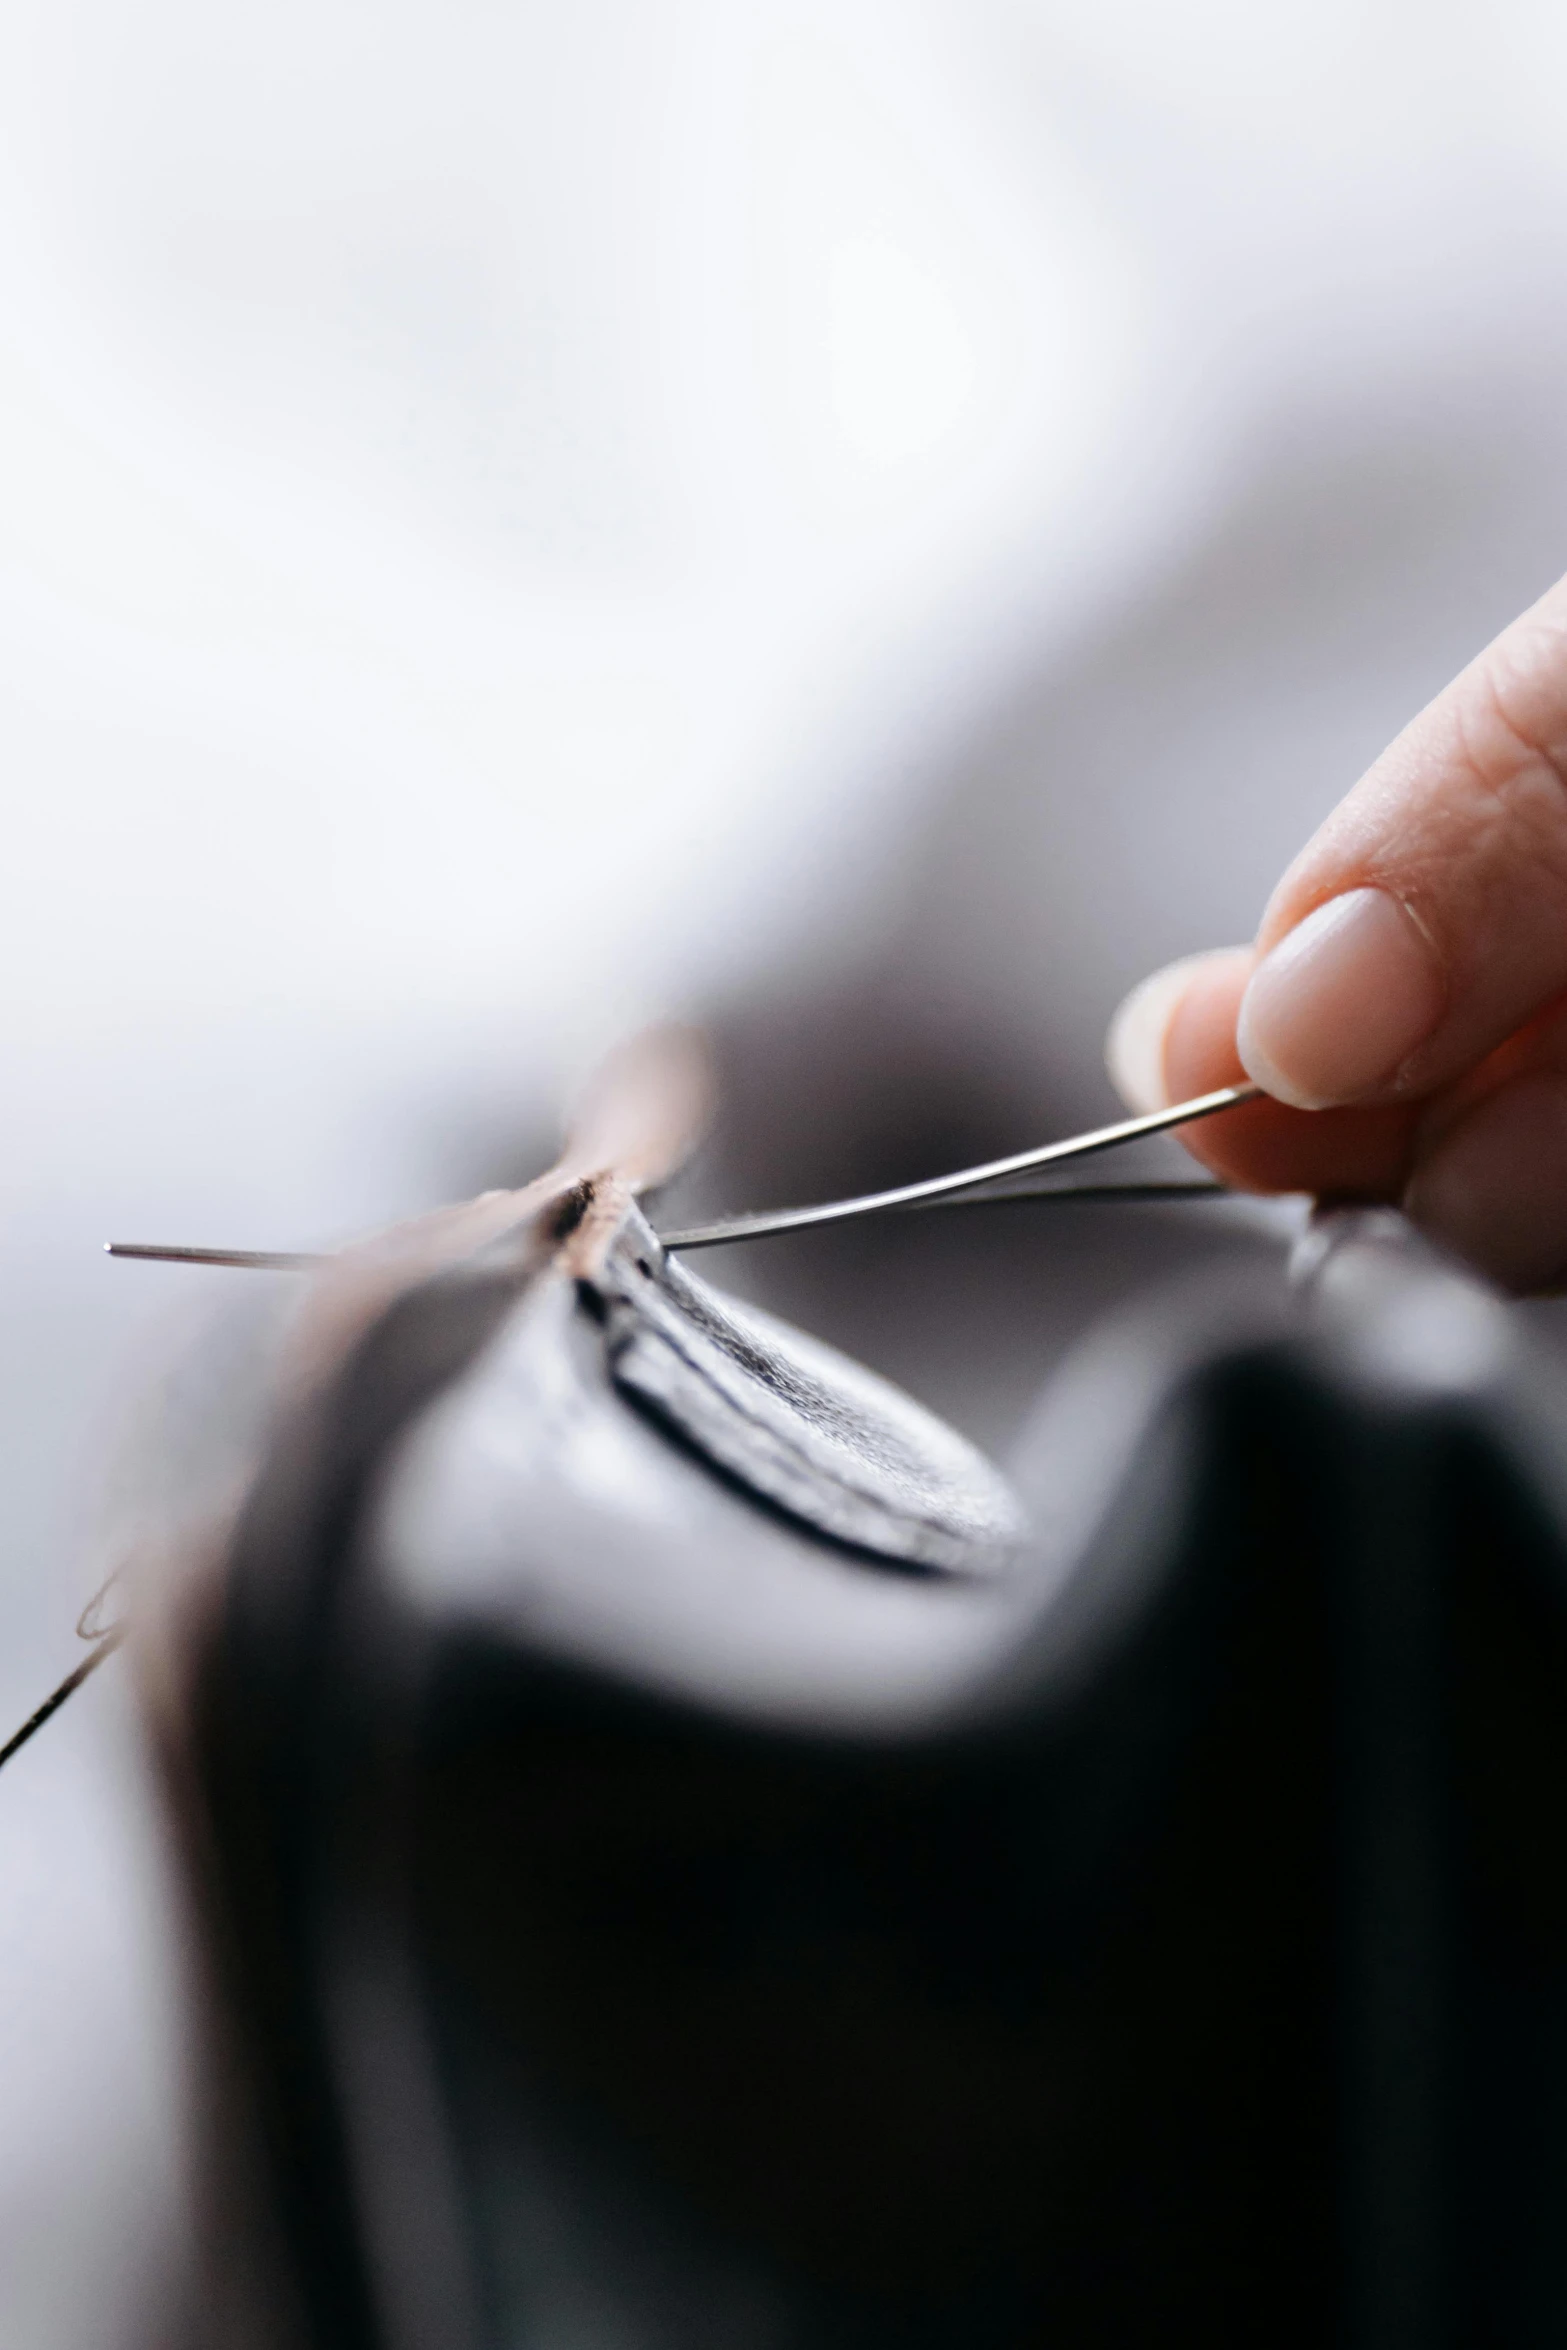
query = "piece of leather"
x=648 y=1917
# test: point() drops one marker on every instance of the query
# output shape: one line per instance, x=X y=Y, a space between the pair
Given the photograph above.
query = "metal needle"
x=934 y=1187
x=934 y=1190
x=253 y=1260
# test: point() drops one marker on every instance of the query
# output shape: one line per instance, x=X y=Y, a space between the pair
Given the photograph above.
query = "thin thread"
x=107 y=1645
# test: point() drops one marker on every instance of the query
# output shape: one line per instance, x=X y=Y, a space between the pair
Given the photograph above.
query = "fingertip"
x=1177 y=1033
x=1137 y=1047
x=1339 y=1005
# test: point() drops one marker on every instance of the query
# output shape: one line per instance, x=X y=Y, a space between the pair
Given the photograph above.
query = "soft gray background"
x=515 y=518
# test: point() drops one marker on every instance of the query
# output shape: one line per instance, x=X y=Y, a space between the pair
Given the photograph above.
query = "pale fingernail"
x=1134 y=1048
x=1341 y=1003
x=1495 y=1187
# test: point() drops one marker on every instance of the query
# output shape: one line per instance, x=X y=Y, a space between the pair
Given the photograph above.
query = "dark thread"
x=107 y=1645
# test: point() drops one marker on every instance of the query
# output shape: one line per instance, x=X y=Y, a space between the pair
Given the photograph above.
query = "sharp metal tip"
x=250 y=1260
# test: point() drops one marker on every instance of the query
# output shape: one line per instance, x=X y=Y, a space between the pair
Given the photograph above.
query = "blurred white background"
x=515 y=518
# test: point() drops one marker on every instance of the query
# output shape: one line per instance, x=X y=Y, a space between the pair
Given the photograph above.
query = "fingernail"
x=1494 y=1189
x=1134 y=1048
x=1340 y=1004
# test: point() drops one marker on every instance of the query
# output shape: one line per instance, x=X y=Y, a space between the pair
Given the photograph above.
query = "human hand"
x=1405 y=1003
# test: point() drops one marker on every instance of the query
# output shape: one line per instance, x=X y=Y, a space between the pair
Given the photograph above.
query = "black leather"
x=697 y=1857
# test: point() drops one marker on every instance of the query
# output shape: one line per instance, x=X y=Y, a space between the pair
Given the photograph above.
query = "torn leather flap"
x=794 y=1421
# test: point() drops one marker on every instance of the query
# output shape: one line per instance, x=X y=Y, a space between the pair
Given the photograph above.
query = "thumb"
x=1427 y=921
x=1175 y=1037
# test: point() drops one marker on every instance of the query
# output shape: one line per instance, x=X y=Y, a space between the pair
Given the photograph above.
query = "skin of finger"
x=1380 y=1153
x=1464 y=821
x=1539 y=1046
x=1488 y=1178
x=1350 y=1154
x=1493 y=1188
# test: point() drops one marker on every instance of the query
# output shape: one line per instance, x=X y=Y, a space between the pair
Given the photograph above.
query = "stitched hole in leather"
x=798 y=1423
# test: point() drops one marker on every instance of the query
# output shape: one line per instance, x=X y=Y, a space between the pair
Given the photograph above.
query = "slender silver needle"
x=933 y=1191
x=907 y=1195
x=273 y=1260
x=253 y=1260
